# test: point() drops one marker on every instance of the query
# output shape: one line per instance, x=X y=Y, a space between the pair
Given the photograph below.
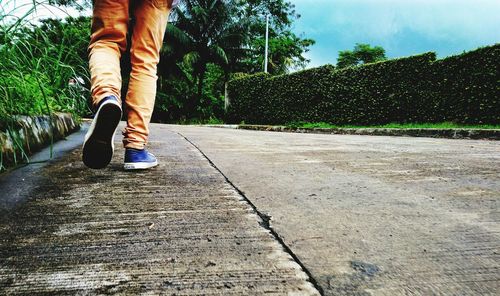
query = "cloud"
x=20 y=8
x=402 y=27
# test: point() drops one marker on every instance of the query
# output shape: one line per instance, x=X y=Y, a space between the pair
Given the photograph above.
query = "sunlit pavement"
x=372 y=215
x=251 y=212
x=180 y=228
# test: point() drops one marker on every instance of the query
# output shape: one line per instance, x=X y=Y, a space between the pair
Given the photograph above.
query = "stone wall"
x=33 y=133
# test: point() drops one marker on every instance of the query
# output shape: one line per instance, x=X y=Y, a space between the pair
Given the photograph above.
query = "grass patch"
x=43 y=68
x=443 y=125
x=197 y=121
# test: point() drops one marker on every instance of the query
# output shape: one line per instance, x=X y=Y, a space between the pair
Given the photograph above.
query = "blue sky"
x=402 y=27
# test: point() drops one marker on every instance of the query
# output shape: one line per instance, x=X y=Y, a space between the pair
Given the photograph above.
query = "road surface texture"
x=179 y=229
x=370 y=215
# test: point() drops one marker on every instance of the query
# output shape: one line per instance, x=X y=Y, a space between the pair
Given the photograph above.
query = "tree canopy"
x=209 y=41
x=362 y=54
x=230 y=34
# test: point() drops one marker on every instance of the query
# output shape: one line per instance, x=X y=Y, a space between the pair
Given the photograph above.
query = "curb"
x=458 y=133
x=33 y=133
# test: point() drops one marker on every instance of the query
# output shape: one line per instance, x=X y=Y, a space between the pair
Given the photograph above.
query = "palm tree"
x=203 y=32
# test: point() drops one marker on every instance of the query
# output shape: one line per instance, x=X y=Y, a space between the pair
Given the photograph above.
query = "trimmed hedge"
x=467 y=86
x=462 y=89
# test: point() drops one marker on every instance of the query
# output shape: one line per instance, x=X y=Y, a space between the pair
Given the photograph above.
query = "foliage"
x=362 y=54
x=285 y=53
x=173 y=92
x=36 y=64
x=206 y=42
x=204 y=32
x=460 y=89
x=286 y=49
x=466 y=86
x=78 y=4
x=228 y=34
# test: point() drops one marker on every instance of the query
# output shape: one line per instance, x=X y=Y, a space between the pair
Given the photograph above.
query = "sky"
x=19 y=8
x=401 y=27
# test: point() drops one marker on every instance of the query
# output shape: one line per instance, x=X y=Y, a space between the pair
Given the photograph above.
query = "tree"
x=286 y=49
x=77 y=4
x=208 y=40
x=230 y=34
x=203 y=32
x=362 y=54
x=285 y=53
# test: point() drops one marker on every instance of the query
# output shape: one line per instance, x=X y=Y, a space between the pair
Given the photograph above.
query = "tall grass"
x=38 y=59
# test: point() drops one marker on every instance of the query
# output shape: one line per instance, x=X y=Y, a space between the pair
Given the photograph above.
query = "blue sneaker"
x=136 y=159
x=98 y=146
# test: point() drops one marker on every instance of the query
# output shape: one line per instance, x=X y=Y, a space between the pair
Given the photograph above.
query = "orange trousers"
x=108 y=42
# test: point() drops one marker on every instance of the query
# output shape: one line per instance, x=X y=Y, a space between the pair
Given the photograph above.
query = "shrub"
x=466 y=86
x=36 y=65
x=461 y=89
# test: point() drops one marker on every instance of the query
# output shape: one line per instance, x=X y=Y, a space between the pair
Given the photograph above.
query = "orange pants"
x=108 y=41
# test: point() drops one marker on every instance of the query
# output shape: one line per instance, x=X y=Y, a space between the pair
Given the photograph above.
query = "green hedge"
x=467 y=86
x=461 y=89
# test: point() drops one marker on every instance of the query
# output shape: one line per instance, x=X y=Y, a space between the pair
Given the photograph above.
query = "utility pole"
x=267 y=43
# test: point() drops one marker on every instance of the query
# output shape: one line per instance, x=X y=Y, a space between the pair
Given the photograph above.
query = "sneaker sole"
x=99 y=141
x=129 y=166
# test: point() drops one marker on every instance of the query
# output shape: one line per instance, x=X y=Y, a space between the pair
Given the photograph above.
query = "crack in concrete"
x=265 y=220
x=179 y=228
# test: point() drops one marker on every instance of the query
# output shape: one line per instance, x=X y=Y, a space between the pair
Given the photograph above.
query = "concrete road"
x=369 y=215
x=179 y=229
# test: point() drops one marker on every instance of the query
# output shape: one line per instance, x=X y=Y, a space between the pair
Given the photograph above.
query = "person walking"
x=108 y=41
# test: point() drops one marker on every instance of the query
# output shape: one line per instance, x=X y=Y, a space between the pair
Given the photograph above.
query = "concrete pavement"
x=179 y=229
x=235 y=212
x=372 y=215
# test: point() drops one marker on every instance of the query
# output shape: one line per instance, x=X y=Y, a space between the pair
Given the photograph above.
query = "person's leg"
x=151 y=18
x=108 y=41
